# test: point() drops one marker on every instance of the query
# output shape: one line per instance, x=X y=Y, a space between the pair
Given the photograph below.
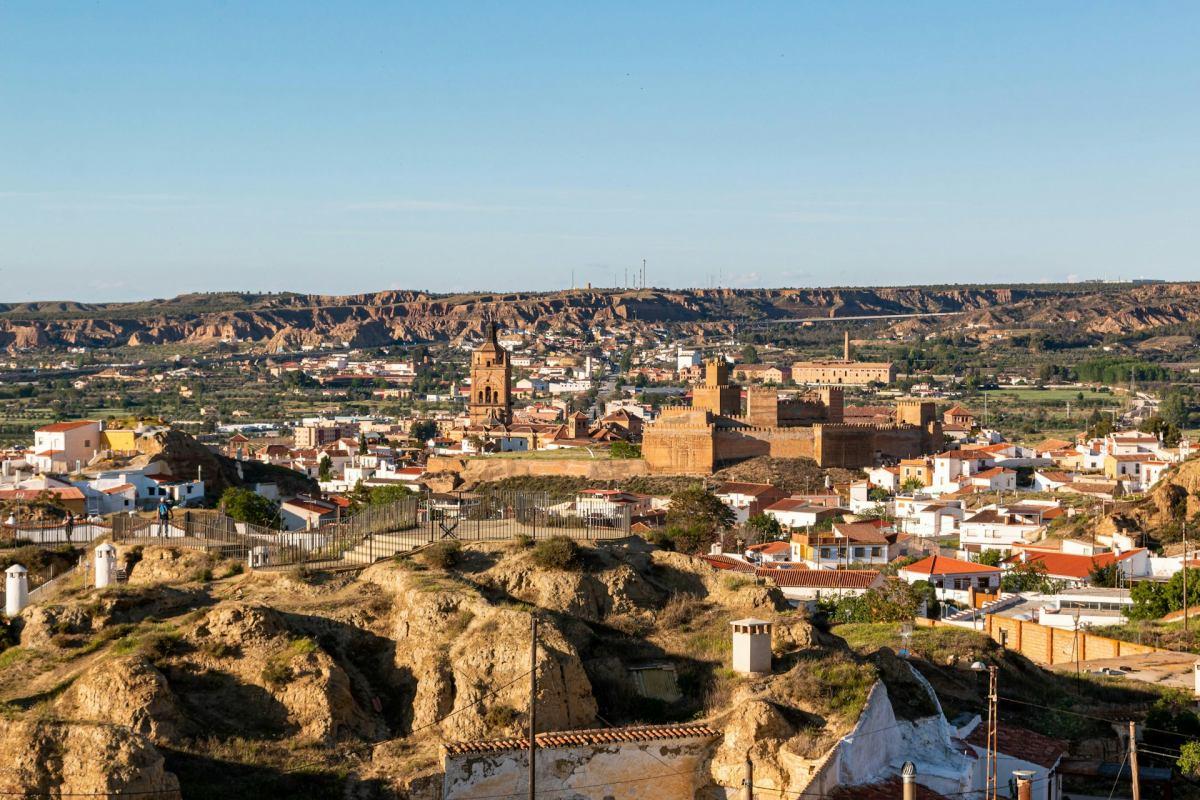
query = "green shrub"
x=524 y=540
x=219 y=649
x=557 y=552
x=202 y=575
x=443 y=555
x=276 y=673
x=157 y=645
x=301 y=647
x=501 y=717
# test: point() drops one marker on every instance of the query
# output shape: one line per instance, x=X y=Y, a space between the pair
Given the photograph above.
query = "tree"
x=624 y=450
x=423 y=430
x=1189 y=759
x=1176 y=407
x=749 y=354
x=764 y=526
x=1105 y=576
x=1168 y=432
x=1030 y=577
x=325 y=468
x=895 y=601
x=686 y=539
x=626 y=363
x=912 y=484
x=245 y=505
x=991 y=558
x=1099 y=425
x=362 y=444
x=1153 y=600
x=699 y=509
x=386 y=495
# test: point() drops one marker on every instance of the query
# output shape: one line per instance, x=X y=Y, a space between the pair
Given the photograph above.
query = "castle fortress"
x=717 y=431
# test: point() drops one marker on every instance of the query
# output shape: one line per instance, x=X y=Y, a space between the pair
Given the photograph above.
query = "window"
x=962 y=583
x=876 y=552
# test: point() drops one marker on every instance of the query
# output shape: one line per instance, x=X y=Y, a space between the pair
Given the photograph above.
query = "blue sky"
x=151 y=148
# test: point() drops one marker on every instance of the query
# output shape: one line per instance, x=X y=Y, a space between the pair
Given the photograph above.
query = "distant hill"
x=289 y=320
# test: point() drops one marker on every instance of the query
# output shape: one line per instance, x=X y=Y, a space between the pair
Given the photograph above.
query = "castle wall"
x=849 y=446
x=762 y=407
x=681 y=442
x=801 y=412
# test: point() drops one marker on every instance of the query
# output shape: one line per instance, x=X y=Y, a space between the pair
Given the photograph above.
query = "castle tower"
x=717 y=395
x=491 y=382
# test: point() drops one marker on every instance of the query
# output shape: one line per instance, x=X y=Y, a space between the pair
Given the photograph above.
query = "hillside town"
x=849 y=498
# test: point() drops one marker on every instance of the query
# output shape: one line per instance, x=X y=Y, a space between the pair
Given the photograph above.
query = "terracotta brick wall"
x=1045 y=645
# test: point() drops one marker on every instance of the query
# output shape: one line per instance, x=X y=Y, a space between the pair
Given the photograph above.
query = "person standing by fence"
x=69 y=524
x=164 y=518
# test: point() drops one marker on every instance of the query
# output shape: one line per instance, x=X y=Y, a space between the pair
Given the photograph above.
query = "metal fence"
x=377 y=532
x=80 y=532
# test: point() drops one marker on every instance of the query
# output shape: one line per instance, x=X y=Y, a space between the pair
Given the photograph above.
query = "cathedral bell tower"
x=491 y=378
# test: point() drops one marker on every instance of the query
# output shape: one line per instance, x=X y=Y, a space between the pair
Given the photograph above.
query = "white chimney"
x=752 y=646
x=106 y=562
x=16 y=589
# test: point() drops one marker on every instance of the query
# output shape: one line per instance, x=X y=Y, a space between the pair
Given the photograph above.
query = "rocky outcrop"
x=165 y=565
x=52 y=759
x=459 y=648
x=253 y=644
x=126 y=691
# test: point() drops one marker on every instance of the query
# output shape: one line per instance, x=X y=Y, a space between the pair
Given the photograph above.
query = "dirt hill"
x=243 y=684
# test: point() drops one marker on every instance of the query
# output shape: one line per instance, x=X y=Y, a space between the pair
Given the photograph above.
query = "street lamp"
x=990 y=788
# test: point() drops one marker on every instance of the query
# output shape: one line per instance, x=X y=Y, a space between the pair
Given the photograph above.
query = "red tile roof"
x=860 y=532
x=820 y=578
x=948 y=566
x=1069 y=565
x=993 y=472
x=1022 y=743
x=725 y=562
x=59 y=427
x=770 y=548
x=644 y=733
x=798 y=504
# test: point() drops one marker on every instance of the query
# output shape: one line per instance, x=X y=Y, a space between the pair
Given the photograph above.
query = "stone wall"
x=480 y=470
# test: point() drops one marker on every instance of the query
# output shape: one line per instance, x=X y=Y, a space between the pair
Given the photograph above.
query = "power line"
x=1098 y=719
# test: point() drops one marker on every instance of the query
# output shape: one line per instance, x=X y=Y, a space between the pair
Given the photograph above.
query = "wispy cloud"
x=432 y=205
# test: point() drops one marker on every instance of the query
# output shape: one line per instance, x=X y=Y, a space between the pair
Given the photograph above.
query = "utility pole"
x=992 y=737
x=533 y=707
x=1133 y=765
x=748 y=781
